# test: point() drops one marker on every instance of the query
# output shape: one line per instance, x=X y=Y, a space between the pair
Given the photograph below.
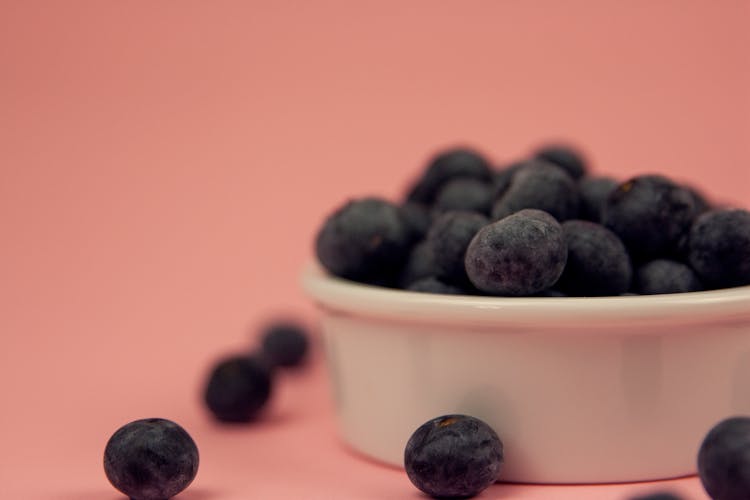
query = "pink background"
x=165 y=165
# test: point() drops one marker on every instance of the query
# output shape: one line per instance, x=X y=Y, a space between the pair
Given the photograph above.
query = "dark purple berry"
x=151 y=459
x=566 y=157
x=417 y=218
x=285 y=344
x=522 y=254
x=501 y=178
x=665 y=276
x=649 y=213
x=453 y=456
x=597 y=264
x=447 y=165
x=238 y=388
x=420 y=264
x=719 y=248
x=449 y=236
x=594 y=192
x=539 y=185
x=365 y=240
x=724 y=460
x=465 y=194
x=434 y=285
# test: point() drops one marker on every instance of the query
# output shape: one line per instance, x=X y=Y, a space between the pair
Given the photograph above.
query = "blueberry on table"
x=650 y=214
x=364 y=240
x=238 y=388
x=539 y=185
x=724 y=460
x=719 y=247
x=665 y=276
x=564 y=156
x=151 y=459
x=522 y=254
x=597 y=264
x=284 y=344
x=447 y=165
x=453 y=456
x=448 y=237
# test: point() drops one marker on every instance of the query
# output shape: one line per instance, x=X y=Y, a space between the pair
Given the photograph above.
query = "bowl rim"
x=342 y=296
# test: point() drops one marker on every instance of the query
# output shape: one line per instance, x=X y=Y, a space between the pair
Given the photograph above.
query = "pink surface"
x=164 y=166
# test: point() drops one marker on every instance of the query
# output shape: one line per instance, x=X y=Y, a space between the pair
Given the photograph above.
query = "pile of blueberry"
x=155 y=458
x=459 y=456
x=543 y=226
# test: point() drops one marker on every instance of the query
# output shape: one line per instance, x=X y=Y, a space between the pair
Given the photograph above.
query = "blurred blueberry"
x=539 y=185
x=724 y=460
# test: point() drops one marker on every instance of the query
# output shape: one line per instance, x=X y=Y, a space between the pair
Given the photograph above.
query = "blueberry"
x=539 y=185
x=719 y=247
x=449 y=236
x=420 y=264
x=594 y=192
x=446 y=165
x=238 y=388
x=501 y=178
x=364 y=240
x=434 y=285
x=284 y=343
x=567 y=157
x=649 y=213
x=597 y=264
x=661 y=495
x=453 y=456
x=465 y=194
x=417 y=218
x=522 y=254
x=151 y=459
x=665 y=276
x=724 y=460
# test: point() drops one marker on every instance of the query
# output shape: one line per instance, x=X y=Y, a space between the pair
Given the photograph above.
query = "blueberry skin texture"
x=449 y=236
x=665 y=276
x=719 y=248
x=649 y=213
x=364 y=240
x=598 y=263
x=465 y=194
x=520 y=255
x=539 y=185
x=453 y=456
x=446 y=165
x=724 y=460
x=151 y=459
x=567 y=157
x=434 y=285
x=238 y=388
x=285 y=344
x=594 y=192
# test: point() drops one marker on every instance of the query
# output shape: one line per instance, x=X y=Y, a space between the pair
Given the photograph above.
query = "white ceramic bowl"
x=580 y=390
